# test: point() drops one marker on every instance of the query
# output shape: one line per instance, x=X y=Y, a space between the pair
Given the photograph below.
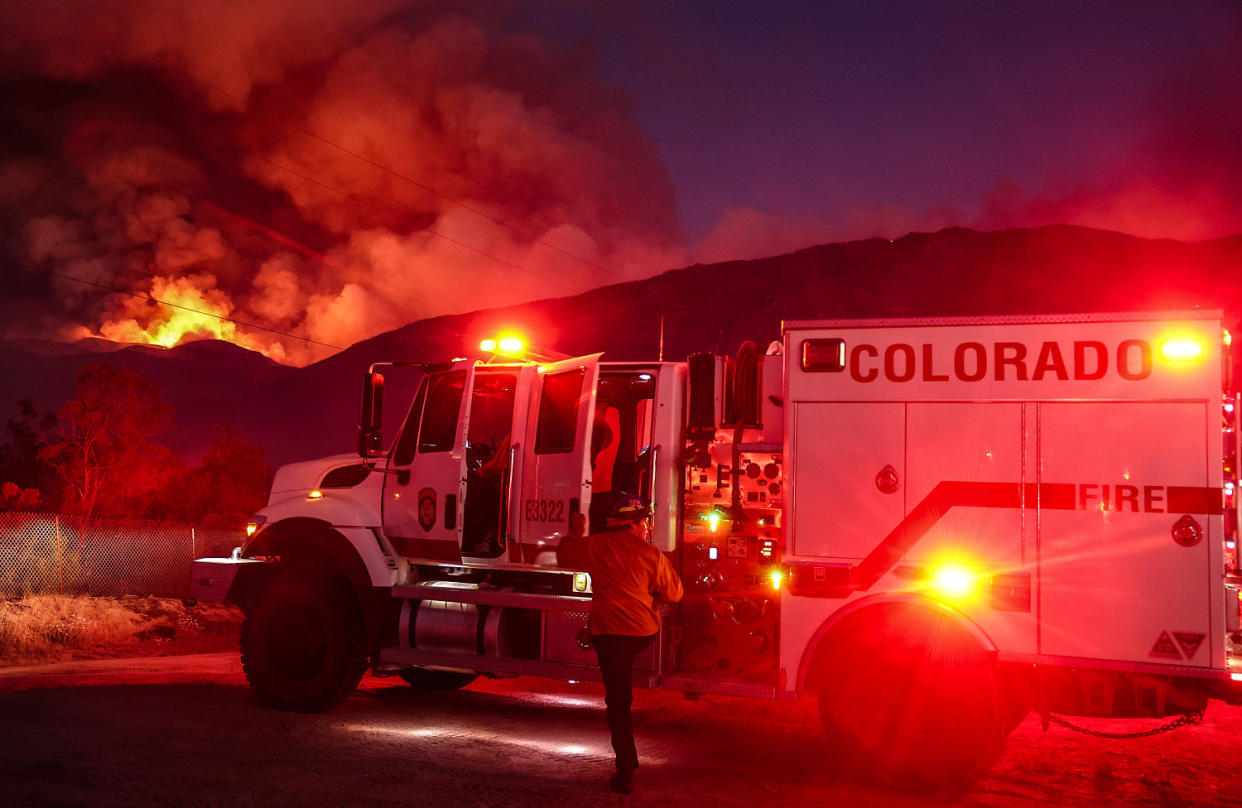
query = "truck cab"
x=492 y=459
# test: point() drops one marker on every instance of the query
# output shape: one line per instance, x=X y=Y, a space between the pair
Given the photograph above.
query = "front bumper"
x=212 y=579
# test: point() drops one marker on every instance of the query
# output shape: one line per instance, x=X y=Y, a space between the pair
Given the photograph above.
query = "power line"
x=141 y=296
x=422 y=186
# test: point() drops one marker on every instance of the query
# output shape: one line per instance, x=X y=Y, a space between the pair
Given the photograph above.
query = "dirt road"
x=187 y=731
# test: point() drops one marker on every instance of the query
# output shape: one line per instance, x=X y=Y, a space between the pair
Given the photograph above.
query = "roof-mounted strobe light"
x=508 y=345
x=514 y=348
x=505 y=345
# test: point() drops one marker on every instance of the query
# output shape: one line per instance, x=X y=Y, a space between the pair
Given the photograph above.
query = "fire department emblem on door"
x=427 y=508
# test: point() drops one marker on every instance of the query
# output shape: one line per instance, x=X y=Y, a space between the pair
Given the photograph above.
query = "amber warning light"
x=823 y=355
x=1181 y=349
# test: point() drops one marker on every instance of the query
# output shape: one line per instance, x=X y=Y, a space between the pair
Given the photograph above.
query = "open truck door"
x=556 y=458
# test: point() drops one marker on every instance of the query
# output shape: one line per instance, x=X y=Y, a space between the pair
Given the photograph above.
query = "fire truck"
x=929 y=526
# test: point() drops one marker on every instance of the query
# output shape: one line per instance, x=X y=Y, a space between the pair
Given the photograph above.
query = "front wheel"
x=303 y=643
x=909 y=700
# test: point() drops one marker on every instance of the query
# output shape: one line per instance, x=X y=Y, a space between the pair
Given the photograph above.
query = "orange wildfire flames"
x=191 y=314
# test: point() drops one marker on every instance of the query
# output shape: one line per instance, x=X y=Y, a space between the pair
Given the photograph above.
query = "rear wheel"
x=425 y=679
x=908 y=699
x=303 y=642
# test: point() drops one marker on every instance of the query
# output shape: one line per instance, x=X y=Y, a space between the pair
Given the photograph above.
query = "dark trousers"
x=616 y=653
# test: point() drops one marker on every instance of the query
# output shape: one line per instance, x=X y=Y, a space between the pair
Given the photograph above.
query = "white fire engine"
x=931 y=525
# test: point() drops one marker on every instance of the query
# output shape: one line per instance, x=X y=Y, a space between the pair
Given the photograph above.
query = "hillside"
x=311 y=411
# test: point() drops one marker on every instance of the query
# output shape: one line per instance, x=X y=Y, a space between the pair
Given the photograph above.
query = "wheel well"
x=909 y=621
x=313 y=544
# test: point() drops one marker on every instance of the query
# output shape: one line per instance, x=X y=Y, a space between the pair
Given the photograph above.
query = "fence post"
x=193 y=545
x=60 y=560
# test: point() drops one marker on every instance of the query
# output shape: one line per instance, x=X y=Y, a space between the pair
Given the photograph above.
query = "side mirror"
x=370 y=439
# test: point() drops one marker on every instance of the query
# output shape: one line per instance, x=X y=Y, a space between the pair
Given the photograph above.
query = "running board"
x=492 y=597
x=504 y=666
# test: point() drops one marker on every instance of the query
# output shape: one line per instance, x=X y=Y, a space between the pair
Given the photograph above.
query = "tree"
x=229 y=485
x=15 y=498
x=103 y=449
x=20 y=466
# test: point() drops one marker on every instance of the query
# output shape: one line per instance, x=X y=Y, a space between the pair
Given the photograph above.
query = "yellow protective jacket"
x=627 y=575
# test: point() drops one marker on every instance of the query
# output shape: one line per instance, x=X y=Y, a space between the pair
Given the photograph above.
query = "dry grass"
x=49 y=628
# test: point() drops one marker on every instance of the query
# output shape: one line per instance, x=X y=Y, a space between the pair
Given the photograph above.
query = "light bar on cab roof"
x=509 y=345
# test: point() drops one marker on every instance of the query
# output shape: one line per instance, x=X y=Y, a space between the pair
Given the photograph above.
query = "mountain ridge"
x=297 y=413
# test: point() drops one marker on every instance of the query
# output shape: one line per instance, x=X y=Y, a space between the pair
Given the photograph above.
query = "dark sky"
x=273 y=159
x=819 y=111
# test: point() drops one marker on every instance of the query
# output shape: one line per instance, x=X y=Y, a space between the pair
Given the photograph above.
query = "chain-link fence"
x=48 y=552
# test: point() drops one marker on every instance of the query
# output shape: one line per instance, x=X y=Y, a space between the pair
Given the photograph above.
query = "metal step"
x=504 y=666
x=491 y=597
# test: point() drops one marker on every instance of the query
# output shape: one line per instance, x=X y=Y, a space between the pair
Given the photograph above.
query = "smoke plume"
x=331 y=171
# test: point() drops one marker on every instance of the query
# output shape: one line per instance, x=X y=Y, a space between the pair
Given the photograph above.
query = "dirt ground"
x=186 y=730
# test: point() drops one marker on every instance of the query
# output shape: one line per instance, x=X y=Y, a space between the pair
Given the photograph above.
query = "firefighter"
x=627 y=574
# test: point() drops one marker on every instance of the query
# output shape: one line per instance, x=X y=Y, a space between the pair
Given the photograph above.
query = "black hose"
x=745 y=394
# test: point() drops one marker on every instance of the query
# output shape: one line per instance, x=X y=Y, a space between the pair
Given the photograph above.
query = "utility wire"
x=141 y=296
x=422 y=186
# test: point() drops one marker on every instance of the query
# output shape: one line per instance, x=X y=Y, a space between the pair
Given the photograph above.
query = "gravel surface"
x=186 y=730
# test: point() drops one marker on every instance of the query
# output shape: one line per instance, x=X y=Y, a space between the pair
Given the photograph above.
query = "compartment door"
x=1114 y=583
x=840 y=512
x=983 y=445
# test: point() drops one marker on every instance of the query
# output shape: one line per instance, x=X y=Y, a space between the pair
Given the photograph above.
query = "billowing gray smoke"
x=329 y=170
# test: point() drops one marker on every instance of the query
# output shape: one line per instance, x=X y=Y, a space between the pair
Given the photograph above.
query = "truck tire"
x=908 y=699
x=304 y=643
x=424 y=679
